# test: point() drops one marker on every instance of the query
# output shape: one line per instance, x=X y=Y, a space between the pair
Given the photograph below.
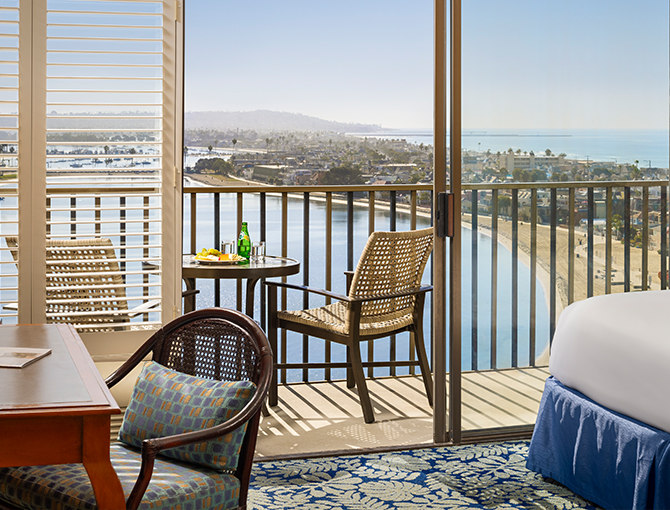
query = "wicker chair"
x=85 y=286
x=212 y=344
x=385 y=297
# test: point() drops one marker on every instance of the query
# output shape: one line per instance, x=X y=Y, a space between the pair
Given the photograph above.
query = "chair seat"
x=335 y=317
x=174 y=484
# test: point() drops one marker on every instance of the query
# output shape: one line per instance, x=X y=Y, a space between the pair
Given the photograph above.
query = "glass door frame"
x=447 y=106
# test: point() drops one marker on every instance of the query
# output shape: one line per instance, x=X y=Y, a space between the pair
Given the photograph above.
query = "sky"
x=527 y=64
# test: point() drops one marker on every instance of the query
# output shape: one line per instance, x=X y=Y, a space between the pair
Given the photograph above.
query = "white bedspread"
x=615 y=349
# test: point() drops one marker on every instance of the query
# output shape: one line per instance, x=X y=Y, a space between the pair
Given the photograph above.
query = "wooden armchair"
x=200 y=467
x=385 y=297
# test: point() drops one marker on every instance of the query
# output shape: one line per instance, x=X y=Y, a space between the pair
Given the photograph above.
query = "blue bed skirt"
x=606 y=457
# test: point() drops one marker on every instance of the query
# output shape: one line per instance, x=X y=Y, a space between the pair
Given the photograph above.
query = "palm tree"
x=234 y=140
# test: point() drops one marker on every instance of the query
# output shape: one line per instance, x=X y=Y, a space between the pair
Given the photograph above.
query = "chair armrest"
x=409 y=292
x=303 y=288
x=144 y=307
x=202 y=435
x=349 y=276
x=138 y=356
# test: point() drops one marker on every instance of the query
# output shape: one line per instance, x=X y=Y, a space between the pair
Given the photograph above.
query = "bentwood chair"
x=85 y=286
x=385 y=297
x=213 y=364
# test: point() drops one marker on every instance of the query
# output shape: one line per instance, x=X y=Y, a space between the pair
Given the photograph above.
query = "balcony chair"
x=85 y=286
x=385 y=297
x=196 y=466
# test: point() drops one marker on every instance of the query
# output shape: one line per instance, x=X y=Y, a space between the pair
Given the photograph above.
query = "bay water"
x=650 y=147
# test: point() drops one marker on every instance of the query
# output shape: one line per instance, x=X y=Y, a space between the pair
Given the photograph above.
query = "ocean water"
x=650 y=147
x=204 y=236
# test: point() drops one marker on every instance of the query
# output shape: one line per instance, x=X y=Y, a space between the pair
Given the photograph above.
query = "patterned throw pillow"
x=166 y=402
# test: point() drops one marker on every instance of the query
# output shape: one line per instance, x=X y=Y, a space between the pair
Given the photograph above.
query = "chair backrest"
x=224 y=345
x=211 y=346
x=391 y=262
x=84 y=283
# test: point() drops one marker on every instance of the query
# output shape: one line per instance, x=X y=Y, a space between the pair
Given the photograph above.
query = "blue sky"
x=527 y=63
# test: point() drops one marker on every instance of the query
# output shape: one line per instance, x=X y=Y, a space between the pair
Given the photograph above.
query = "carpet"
x=462 y=477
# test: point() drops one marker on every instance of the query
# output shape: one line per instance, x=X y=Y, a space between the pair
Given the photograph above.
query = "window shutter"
x=103 y=144
x=9 y=146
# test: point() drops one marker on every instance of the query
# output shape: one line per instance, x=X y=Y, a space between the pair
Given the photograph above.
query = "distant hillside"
x=266 y=120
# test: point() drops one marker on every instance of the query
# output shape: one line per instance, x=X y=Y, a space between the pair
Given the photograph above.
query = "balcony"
x=540 y=246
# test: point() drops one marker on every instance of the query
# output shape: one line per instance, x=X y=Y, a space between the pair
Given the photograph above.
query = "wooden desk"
x=251 y=272
x=57 y=410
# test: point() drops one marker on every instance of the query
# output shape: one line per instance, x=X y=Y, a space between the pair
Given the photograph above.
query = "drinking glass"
x=227 y=247
x=258 y=252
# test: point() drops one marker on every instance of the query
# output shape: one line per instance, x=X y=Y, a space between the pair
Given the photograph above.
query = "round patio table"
x=249 y=271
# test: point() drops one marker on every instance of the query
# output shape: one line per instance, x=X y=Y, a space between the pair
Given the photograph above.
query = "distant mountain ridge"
x=268 y=120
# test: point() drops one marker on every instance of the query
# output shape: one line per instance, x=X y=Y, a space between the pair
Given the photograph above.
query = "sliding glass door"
x=564 y=161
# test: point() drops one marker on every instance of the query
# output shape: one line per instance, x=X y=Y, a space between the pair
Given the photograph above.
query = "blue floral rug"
x=462 y=477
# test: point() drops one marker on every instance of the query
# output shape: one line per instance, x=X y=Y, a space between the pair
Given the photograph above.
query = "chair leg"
x=423 y=361
x=350 y=374
x=359 y=376
x=272 y=338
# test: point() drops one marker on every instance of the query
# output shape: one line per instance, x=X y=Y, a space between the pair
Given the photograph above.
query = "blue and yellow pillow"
x=166 y=402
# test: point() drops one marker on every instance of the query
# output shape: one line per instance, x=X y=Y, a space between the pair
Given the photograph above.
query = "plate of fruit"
x=214 y=256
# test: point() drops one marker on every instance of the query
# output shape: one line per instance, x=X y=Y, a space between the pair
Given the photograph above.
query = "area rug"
x=492 y=476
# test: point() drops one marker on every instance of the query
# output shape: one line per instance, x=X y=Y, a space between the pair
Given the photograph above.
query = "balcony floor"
x=322 y=417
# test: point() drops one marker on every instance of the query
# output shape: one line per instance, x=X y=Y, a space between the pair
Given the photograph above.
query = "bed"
x=603 y=428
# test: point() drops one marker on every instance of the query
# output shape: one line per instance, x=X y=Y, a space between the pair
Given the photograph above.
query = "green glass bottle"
x=244 y=242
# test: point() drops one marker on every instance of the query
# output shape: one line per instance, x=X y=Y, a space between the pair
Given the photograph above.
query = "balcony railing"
x=567 y=240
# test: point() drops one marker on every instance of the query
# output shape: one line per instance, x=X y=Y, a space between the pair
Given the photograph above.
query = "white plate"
x=216 y=262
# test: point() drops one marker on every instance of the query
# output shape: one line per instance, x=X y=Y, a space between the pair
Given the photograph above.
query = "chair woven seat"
x=335 y=317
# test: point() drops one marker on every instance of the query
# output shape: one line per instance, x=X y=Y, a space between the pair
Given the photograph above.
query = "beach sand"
x=580 y=260
x=580 y=263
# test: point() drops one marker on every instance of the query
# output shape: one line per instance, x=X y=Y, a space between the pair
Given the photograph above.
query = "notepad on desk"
x=19 y=357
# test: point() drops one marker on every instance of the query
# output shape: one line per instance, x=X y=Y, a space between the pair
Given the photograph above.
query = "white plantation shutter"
x=104 y=193
x=9 y=138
